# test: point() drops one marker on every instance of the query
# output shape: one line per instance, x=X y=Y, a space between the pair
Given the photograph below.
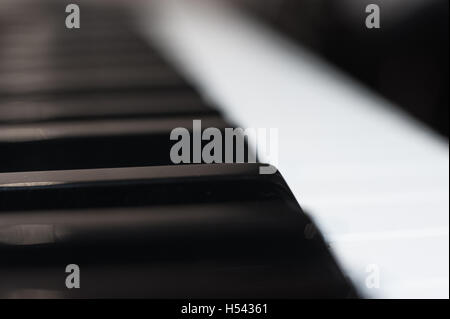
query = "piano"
x=87 y=178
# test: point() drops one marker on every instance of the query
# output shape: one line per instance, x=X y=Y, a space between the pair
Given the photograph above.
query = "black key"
x=69 y=63
x=72 y=49
x=113 y=105
x=94 y=144
x=25 y=36
x=91 y=80
x=196 y=231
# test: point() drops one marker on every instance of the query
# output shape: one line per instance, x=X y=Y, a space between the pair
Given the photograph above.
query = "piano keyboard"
x=375 y=180
x=86 y=177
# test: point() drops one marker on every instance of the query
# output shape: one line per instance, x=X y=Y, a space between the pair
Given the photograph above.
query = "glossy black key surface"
x=114 y=105
x=197 y=231
x=68 y=63
x=94 y=144
x=78 y=47
x=91 y=80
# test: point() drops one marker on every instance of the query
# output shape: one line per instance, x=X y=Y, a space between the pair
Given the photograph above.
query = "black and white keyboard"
x=86 y=177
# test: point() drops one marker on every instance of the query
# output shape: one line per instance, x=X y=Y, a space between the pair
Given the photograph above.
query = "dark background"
x=406 y=60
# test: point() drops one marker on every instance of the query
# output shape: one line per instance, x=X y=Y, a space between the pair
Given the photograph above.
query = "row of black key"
x=86 y=178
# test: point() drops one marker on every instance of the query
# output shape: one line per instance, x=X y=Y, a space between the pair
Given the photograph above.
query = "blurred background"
x=406 y=60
